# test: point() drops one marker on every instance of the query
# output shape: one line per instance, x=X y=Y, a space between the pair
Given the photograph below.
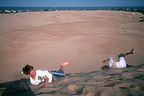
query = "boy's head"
x=27 y=69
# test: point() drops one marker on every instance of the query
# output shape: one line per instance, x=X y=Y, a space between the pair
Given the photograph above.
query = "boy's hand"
x=45 y=81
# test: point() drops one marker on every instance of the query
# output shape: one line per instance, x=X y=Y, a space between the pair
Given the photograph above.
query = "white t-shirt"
x=120 y=64
x=40 y=77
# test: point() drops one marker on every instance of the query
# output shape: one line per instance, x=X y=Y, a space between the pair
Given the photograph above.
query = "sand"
x=108 y=82
x=83 y=38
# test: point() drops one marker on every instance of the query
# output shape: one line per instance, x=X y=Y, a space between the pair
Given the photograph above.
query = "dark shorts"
x=57 y=74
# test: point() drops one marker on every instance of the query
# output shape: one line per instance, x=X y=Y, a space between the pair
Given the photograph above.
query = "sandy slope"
x=109 y=82
x=83 y=38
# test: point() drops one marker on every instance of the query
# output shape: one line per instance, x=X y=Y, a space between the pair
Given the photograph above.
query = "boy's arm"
x=104 y=61
x=43 y=84
x=45 y=81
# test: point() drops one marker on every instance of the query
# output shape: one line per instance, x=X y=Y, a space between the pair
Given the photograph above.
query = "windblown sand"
x=83 y=38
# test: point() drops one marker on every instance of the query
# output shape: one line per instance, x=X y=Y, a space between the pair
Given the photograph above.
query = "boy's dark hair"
x=26 y=70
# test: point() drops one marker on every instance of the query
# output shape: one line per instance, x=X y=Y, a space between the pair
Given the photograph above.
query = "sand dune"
x=83 y=38
x=109 y=82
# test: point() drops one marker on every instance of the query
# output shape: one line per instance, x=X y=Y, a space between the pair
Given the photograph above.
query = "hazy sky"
x=71 y=2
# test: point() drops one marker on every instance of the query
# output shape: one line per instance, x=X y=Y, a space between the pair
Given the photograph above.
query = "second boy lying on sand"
x=43 y=77
x=121 y=60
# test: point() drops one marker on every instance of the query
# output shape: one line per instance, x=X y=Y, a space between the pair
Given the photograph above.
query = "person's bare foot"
x=63 y=65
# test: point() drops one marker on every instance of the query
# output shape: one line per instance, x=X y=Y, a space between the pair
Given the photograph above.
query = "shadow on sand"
x=16 y=88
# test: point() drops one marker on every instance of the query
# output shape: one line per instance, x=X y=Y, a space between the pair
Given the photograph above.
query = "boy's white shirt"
x=120 y=64
x=40 y=77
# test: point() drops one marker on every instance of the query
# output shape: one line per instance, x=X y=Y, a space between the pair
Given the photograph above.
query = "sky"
x=55 y=3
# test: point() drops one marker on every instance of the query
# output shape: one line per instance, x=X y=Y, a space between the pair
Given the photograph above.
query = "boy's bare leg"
x=106 y=60
x=63 y=65
x=128 y=53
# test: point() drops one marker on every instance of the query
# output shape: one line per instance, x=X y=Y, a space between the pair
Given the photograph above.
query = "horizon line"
x=73 y=6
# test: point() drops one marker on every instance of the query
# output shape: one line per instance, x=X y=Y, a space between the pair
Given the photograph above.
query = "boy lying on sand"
x=43 y=77
x=121 y=60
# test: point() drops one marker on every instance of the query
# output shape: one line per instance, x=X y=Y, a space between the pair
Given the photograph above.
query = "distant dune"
x=83 y=38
